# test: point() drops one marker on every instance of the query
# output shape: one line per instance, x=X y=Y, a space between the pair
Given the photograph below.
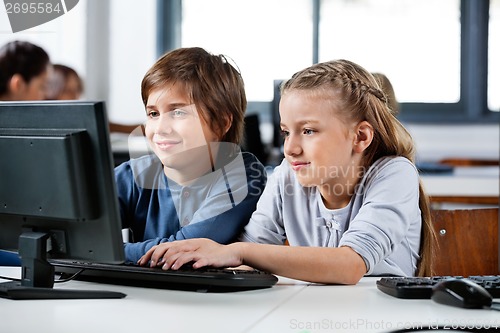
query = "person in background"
x=23 y=71
x=337 y=198
x=386 y=87
x=392 y=102
x=23 y=76
x=64 y=83
x=197 y=183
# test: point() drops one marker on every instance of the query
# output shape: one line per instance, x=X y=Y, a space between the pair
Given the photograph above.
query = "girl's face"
x=318 y=145
x=177 y=134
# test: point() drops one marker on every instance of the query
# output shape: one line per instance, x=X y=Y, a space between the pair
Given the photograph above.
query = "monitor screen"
x=277 y=137
x=57 y=189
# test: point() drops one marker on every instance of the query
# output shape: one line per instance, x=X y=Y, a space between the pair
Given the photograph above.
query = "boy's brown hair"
x=212 y=84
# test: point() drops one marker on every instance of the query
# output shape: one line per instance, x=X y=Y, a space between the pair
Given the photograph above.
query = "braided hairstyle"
x=359 y=97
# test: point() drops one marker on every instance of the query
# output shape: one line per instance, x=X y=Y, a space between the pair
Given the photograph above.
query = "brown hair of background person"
x=23 y=71
x=388 y=89
x=64 y=83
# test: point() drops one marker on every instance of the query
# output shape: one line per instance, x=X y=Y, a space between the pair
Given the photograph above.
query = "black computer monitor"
x=57 y=189
x=277 y=137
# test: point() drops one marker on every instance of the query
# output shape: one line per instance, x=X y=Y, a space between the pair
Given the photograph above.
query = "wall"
x=121 y=39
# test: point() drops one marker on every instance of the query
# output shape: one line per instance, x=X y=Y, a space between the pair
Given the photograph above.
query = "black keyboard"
x=207 y=279
x=421 y=287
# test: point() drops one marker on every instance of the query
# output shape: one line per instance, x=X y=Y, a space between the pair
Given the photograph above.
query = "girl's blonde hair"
x=386 y=86
x=359 y=98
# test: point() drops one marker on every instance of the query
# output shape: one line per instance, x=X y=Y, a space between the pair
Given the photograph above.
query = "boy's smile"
x=165 y=145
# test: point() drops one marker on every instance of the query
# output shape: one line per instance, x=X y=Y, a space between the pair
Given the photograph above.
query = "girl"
x=198 y=183
x=347 y=197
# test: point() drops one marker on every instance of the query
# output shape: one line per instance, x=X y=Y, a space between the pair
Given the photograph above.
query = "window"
x=62 y=38
x=111 y=44
x=494 y=57
x=435 y=53
x=416 y=43
x=265 y=41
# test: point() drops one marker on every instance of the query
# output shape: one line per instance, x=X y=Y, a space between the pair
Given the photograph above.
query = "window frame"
x=472 y=106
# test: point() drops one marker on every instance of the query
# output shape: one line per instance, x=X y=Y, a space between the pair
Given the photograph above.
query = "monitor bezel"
x=96 y=239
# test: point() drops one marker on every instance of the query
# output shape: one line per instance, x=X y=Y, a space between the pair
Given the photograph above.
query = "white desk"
x=464 y=181
x=290 y=306
x=466 y=185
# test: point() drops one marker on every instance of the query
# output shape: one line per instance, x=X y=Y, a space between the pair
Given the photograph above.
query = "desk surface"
x=290 y=306
x=472 y=181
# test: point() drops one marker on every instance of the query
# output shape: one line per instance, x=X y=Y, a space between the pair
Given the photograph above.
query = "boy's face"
x=177 y=134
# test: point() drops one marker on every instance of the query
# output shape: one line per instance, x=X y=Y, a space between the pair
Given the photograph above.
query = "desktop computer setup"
x=59 y=207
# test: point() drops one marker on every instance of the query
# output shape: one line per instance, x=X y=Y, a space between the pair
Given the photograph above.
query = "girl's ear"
x=364 y=136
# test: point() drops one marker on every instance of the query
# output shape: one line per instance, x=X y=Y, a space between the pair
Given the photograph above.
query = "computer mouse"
x=461 y=293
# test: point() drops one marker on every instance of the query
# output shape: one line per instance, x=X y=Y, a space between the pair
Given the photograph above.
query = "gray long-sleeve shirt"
x=382 y=222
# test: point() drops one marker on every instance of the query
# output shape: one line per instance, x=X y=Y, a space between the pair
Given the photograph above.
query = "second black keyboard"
x=421 y=287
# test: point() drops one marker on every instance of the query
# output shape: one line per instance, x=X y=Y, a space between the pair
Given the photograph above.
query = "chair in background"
x=467 y=242
x=252 y=138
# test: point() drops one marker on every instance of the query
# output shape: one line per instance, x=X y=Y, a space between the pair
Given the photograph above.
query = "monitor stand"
x=38 y=275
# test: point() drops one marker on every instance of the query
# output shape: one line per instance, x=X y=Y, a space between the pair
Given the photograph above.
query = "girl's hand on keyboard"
x=200 y=252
